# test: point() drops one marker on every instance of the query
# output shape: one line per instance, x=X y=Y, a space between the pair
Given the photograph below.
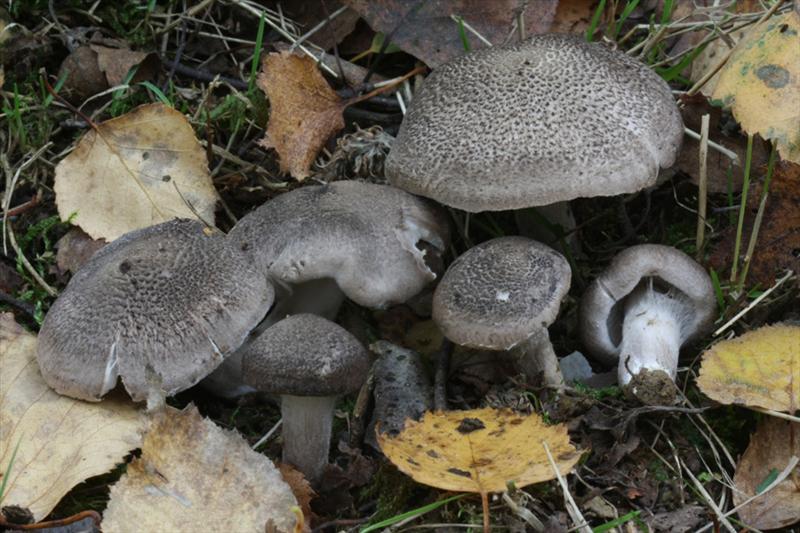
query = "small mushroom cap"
x=601 y=311
x=362 y=235
x=547 y=120
x=305 y=355
x=160 y=306
x=501 y=292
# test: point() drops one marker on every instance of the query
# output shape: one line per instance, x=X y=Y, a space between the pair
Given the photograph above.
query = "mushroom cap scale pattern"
x=305 y=355
x=159 y=307
x=499 y=293
x=547 y=120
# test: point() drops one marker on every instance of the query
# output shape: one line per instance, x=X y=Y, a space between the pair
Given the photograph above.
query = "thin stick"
x=472 y=30
x=318 y=27
x=485 y=506
x=702 y=193
x=268 y=435
x=733 y=156
x=572 y=508
x=762 y=206
x=754 y=303
x=708 y=499
x=777 y=414
x=742 y=207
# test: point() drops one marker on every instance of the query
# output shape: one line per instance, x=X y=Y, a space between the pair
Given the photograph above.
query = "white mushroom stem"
x=651 y=333
x=307 y=422
x=536 y=356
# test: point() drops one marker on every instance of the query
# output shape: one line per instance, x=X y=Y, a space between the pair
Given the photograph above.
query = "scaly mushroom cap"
x=547 y=120
x=362 y=235
x=159 y=307
x=499 y=293
x=602 y=305
x=305 y=355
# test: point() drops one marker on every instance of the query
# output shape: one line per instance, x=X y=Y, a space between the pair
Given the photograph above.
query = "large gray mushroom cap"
x=305 y=355
x=547 y=120
x=602 y=305
x=159 y=307
x=501 y=292
x=366 y=237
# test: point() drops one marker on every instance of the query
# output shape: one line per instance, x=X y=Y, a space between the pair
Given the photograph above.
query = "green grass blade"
x=718 y=290
x=737 y=246
x=666 y=15
x=7 y=473
x=462 y=33
x=626 y=12
x=159 y=94
x=416 y=512
x=671 y=73
x=251 y=83
x=633 y=515
x=595 y=20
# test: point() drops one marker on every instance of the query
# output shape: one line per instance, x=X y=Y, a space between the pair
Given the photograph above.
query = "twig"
x=94 y=515
x=776 y=414
x=702 y=187
x=708 y=499
x=754 y=303
x=203 y=75
x=572 y=507
x=319 y=26
x=360 y=411
x=472 y=30
x=733 y=156
x=192 y=11
x=268 y=435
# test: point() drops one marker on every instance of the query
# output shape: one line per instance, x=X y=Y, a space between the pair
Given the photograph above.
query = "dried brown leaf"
x=75 y=248
x=301 y=488
x=427 y=31
x=771 y=448
x=116 y=62
x=304 y=110
x=778 y=245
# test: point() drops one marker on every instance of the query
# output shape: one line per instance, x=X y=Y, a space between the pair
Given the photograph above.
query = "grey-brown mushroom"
x=158 y=308
x=650 y=301
x=309 y=361
x=501 y=295
x=543 y=121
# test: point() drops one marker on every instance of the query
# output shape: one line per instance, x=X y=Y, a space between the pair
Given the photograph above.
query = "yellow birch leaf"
x=134 y=171
x=62 y=441
x=759 y=369
x=480 y=450
x=196 y=476
x=761 y=83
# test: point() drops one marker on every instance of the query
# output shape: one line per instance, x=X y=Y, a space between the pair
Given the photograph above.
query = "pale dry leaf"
x=771 y=448
x=195 y=476
x=304 y=110
x=300 y=486
x=761 y=83
x=135 y=171
x=759 y=369
x=61 y=441
x=479 y=450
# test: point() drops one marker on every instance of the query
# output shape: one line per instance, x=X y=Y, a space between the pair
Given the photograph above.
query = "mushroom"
x=309 y=361
x=650 y=301
x=160 y=308
x=543 y=121
x=374 y=244
x=501 y=295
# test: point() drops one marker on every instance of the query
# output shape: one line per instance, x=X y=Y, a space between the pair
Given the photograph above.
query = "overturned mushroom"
x=309 y=361
x=650 y=301
x=502 y=295
x=158 y=308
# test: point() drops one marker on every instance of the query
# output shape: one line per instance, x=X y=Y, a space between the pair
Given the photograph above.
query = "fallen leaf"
x=761 y=83
x=771 y=448
x=195 y=476
x=304 y=110
x=75 y=248
x=480 y=450
x=719 y=164
x=300 y=486
x=81 y=74
x=427 y=31
x=55 y=442
x=759 y=369
x=778 y=245
x=115 y=63
x=685 y=518
x=135 y=171
x=573 y=16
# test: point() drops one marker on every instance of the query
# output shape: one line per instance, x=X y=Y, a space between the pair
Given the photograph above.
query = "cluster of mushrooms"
x=535 y=124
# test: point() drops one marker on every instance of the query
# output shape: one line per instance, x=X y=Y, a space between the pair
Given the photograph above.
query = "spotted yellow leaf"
x=759 y=369
x=761 y=83
x=480 y=450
